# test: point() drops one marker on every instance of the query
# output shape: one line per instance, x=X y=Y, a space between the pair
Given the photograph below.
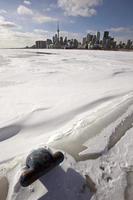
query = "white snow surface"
x=76 y=101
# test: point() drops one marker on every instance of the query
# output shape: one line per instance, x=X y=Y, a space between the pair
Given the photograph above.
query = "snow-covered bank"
x=76 y=101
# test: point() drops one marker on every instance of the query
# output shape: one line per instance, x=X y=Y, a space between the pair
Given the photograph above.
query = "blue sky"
x=24 y=21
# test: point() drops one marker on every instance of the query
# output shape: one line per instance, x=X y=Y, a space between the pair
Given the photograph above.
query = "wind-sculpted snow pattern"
x=78 y=102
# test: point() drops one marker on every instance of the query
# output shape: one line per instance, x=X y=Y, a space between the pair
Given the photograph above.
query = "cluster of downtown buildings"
x=91 y=41
x=106 y=43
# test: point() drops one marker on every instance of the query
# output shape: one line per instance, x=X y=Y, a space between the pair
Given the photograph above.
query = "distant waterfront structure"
x=48 y=43
x=84 y=42
x=129 y=44
x=89 y=37
x=106 y=34
x=105 y=39
x=40 y=44
x=58 y=31
x=93 y=41
x=98 y=37
x=90 y=41
x=57 y=37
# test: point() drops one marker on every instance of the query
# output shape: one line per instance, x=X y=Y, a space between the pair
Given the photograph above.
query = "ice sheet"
x=68 y=99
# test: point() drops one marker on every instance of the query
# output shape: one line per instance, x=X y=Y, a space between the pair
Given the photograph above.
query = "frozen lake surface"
x=78 y=101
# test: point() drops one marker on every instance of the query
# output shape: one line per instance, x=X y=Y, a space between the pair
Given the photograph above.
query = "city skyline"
x=24 y=21
x=90 y=41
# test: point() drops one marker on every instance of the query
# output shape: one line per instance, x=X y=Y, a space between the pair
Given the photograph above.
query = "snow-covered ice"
x=78 y=101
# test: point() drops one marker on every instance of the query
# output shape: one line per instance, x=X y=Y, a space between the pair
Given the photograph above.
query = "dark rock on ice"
x=38 y=163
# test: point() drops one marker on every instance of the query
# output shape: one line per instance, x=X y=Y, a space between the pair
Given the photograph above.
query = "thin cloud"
x=91 y=31
x=40 y=19
x=3 y=11
x=13 y=38
x=72 y=21
x=37 y=17
x=48 y=9
x=122 y=29
x=23 y=10
x=122 y=33
x=6 y=24
x=84 y=8
x=2 y=18
x=51 y=7
x=27 y=2
x=40 y=31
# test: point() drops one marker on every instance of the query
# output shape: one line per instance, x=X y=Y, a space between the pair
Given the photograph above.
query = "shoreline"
x=123 y=50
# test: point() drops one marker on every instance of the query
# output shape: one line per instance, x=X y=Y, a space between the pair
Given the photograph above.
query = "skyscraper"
x=106 y=34
x=105 y=39
x=89 y=37
x=129 y=44
x=98 y=37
